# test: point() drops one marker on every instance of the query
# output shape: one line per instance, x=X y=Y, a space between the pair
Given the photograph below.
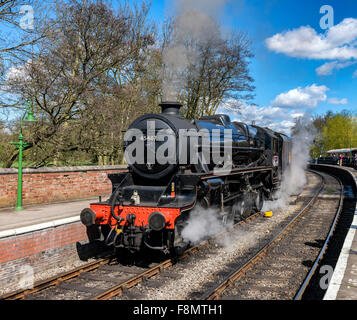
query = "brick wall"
x=46 y=185
x=43 y=253
x=12 y=248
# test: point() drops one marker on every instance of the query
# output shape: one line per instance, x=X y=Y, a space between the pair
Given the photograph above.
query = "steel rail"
x=55 y=280
x=215 y=292
x=300 y=293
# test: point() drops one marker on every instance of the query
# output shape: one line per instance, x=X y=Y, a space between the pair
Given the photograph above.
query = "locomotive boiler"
x=176 y=164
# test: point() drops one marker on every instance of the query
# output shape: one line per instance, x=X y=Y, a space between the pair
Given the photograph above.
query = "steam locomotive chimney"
x=170 y=107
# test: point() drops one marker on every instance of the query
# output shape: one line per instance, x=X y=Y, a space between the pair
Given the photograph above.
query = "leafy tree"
x=340 y=132
x=334 y=131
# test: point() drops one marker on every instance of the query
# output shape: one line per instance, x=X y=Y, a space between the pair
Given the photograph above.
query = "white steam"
x=202 y=224
x=195 y=26
x=294 y=178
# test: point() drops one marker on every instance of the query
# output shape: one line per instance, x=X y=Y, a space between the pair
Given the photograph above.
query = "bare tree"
x=9 y=16
x=18 y=21
x=86 y=79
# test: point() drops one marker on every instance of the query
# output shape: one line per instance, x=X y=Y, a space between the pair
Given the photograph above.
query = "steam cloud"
x=194 y=27
x=294 y=178
x=202 y=224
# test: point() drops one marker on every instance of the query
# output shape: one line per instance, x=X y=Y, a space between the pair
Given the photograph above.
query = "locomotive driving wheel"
x=241 y=209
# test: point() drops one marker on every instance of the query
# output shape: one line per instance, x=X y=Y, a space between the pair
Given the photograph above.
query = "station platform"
x=17 y=227
x=34 y=218
x=343 y=284
x=41 y=241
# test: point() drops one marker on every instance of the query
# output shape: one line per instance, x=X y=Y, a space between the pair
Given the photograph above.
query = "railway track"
x=95 y=280
x=278 y=268
x=107 y=270
x=315 y=291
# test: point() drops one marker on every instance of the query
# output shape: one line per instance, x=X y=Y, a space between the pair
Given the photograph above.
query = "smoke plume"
x=194 y=27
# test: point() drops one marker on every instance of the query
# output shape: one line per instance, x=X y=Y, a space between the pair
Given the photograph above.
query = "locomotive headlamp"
x=157 y=221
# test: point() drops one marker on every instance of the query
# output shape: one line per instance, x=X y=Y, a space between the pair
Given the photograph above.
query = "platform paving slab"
x=41 y=214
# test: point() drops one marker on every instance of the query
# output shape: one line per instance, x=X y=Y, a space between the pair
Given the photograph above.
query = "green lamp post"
x=21 y=145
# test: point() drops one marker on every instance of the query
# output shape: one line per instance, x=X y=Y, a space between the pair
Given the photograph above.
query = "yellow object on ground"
x=268 y=213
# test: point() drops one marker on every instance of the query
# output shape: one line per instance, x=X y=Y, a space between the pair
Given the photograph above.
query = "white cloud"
x=337 y=101
x=285 y=109
x=307 y=97
x=328 y=67
x=354 y=74
x=275 y=118
x=339 y=43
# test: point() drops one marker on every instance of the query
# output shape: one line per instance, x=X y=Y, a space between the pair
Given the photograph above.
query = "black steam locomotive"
x=176 y=164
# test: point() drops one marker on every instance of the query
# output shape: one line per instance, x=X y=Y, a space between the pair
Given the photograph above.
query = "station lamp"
x=27 y=117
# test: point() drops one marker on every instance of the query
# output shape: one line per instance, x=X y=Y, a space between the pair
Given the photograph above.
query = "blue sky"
x=287 y=76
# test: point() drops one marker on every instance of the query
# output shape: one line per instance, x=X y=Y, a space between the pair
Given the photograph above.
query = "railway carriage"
x=178 y=170
x=332 y=157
